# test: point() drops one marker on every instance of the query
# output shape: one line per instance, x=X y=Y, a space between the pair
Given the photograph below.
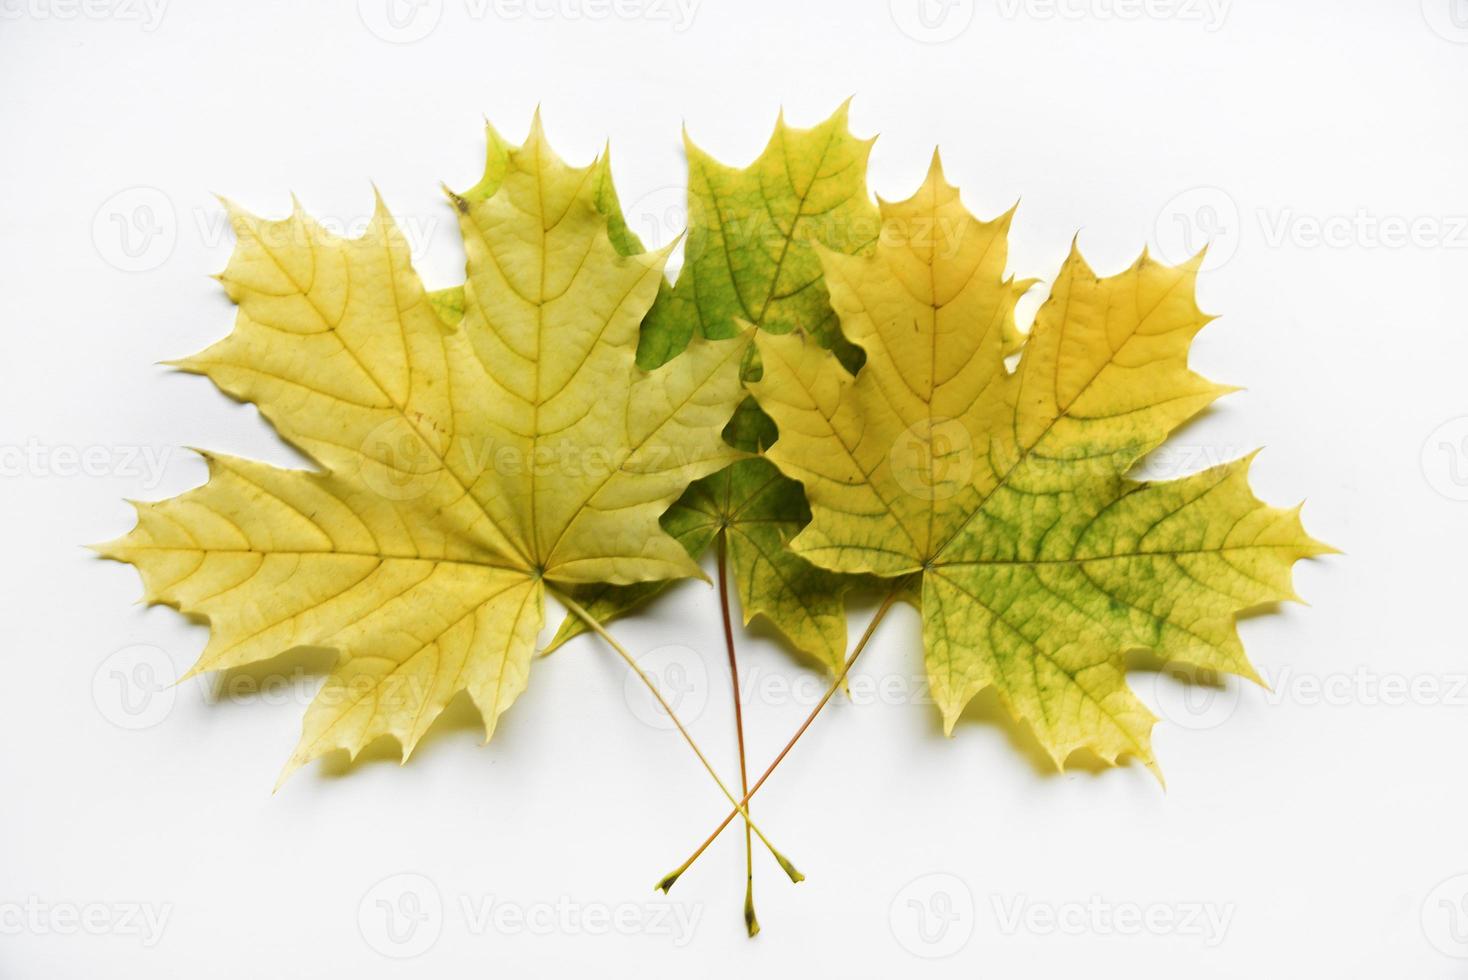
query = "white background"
x=1324 y=822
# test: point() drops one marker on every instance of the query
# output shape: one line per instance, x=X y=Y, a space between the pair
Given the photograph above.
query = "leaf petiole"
x=751 y=921
x=739 y=807
x=672 y=877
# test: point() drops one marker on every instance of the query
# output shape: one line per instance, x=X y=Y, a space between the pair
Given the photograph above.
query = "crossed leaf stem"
x=668 y=880
x=751 y=921
x=739 y=806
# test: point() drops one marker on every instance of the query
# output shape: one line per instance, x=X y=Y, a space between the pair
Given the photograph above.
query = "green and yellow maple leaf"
x=476 y=448
x=750 y=259
x=1005 y=494
x=752 y=233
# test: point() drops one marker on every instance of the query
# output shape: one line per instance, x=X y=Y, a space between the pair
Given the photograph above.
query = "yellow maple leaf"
x=464 y=469
x=1004 y=494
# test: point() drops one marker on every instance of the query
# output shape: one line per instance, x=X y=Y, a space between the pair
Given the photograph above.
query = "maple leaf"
x=750 y=259
x=464 y=469
x=1005 y=493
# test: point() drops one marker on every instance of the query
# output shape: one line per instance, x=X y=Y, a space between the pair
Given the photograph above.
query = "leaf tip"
x=460 y=202
x=108 y=550
x=935 y=168
x=210 y=458
x=1320 y=549
x=536 y=135
x=1194 y=263
x=1246 y=461
x=289 y=770
x=197 y=669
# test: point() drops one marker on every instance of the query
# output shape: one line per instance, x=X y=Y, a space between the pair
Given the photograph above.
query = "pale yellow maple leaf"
x=464 y=470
